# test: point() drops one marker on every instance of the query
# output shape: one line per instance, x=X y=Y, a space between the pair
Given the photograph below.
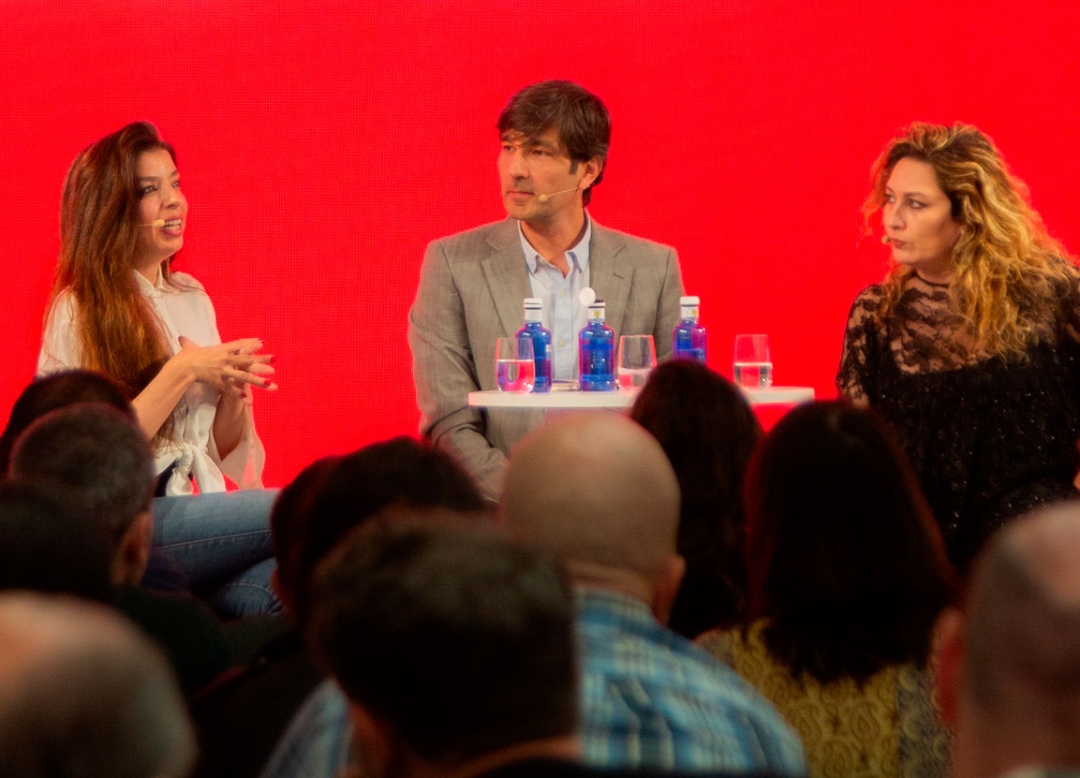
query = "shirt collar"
x=578 y=254
x=151 y=289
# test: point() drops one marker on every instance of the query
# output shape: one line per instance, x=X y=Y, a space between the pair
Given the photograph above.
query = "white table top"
x=622 y=398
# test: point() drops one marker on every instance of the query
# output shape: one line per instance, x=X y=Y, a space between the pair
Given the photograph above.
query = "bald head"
x=1023 y=614
x=595 y=488
x=82 y=693
x=1017 y=690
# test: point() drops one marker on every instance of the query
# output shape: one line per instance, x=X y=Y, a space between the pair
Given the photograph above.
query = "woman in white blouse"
x=118 y=307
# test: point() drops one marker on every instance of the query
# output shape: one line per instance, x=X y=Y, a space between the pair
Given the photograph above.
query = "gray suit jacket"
x=471 y=291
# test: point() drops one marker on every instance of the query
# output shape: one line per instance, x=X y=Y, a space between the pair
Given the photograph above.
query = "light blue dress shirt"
x=564 y=315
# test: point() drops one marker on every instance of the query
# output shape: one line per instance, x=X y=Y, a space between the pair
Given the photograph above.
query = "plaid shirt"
x=653 y=699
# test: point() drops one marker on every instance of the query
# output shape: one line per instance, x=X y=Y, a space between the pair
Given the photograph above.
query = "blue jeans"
x=221 y=543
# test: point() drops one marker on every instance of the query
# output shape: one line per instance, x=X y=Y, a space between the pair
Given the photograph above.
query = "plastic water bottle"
x=688 y=339
x=596 y=353
x=541 y=340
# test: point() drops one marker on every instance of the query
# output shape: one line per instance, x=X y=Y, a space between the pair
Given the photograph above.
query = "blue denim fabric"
x=318 y=741
x=221 y=543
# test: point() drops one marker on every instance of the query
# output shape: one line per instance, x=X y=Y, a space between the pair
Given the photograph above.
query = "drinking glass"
x=753 y=361
x=637 y=358
x=515 y=370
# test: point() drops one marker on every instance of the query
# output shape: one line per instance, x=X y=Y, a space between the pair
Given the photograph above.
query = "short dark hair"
x=579 y=117
x=461 y=641
x=98 y=453
x=333 y=495
x=708 y=431
x=54 y=391
x=845 y=560
x=45 y=546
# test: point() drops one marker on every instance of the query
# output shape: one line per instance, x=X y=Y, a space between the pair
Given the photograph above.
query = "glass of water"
x=637 y=358
x=753 y=361
x=515 y=370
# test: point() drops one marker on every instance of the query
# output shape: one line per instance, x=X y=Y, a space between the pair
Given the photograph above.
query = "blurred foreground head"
x=598 y=491
x=83 y=694
x=844 y=558
x=1009 y=670
x=333 y=495
x=708 y=431
x=454 y=646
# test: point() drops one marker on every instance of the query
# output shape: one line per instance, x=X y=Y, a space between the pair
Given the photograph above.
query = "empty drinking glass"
x=637 y=358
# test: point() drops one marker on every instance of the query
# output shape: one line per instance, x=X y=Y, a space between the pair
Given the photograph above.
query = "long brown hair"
x=1010 y=275
x=118 y=332
x=845 y=560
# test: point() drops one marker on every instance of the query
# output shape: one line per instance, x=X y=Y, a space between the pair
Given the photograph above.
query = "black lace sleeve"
x=854 y=378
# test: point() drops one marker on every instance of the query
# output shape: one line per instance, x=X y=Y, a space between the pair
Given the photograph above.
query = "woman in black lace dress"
x=971 y=346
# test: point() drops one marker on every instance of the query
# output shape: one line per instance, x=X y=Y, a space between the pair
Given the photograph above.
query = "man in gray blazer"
x=555 y=138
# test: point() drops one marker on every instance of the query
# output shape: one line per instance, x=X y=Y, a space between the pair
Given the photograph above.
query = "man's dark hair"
x=578 y=116
x=459 y=640
x=333 y=495
x=99 y=454
x=845 y=560
x=46 y=547
x=55 y=391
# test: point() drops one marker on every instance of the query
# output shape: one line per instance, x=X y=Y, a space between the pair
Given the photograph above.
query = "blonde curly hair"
x=1010 y=274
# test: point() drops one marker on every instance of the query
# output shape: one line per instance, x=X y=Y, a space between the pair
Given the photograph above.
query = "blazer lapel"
x=507 y=277
x=608 y=278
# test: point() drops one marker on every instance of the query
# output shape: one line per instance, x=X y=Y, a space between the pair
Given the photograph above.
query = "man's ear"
x=590 y=171
x=133 y=553
x=947 y=660
x=666 y=587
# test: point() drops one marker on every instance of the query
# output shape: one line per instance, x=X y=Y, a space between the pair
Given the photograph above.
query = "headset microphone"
x=885 y=239
x=545 y=197
x=156 y=224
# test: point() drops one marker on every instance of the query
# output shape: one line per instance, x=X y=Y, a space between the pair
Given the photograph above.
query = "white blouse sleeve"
x=244 y=464
x=60 y=341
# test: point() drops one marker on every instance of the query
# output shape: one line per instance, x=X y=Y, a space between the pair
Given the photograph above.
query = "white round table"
x=567 y=398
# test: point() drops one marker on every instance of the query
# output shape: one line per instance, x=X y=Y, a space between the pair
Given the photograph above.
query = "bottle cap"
x=689 y=301
x=534 y=302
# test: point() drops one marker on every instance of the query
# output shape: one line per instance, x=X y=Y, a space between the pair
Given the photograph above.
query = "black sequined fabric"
x=988 y=438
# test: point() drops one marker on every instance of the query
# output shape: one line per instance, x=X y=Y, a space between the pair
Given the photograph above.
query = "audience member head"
x=335 y=494
x=845 y=560
x=82 y=695
x=1009 y=663
x=1006 y=267
x=577 y=116
x=45 y=546
x=479 y=629
x=55 y=391
x=101 y=456
x=598 y=491
x=708 y=431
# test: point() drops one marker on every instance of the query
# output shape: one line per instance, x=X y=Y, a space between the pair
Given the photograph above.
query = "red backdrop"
x=323 y=144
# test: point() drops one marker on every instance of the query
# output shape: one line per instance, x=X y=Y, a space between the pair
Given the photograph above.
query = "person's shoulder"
x=867 y=302
x=873 y=293
x=185 y=282
x=613 y=240
x=466 y=244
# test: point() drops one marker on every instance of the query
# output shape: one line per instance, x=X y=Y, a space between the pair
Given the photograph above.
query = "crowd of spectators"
x=672 y=592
